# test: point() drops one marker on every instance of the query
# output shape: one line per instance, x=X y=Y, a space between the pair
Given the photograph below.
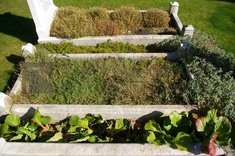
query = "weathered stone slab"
x=136 y=112
x=170 y=56
x=91 y=41
x=78 y=149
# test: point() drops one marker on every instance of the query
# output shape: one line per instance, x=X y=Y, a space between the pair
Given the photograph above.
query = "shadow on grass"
x=15 y=59
x=19 y=27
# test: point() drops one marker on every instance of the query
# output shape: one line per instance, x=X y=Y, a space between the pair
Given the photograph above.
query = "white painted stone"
x=5 y=103
x=43 y=12
x=174 y=7
x=188 y=30
x=28 y=50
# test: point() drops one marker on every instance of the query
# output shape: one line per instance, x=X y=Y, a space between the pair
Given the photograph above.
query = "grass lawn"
x=217 y=18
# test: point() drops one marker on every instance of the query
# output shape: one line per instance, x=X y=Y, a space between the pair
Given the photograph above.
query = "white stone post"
x=188 y=30
x=5 y=104
x=43 y=12
x=28 y=50
x=174 y=8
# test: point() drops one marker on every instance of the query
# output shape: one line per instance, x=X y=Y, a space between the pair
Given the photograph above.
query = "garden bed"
x=102 y=81
x=179 y=128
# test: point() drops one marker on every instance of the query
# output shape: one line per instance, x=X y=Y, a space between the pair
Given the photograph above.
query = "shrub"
x=71 y=22
x=128 y=19
x=211 y=88
x=156 y=18
x=205 y=46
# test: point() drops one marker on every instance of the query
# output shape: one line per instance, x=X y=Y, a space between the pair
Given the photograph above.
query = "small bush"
x=107 y=28
x=128 y=19
x=156 y=18
x=71 y=22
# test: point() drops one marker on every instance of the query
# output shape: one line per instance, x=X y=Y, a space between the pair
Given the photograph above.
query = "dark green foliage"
x=211 y=88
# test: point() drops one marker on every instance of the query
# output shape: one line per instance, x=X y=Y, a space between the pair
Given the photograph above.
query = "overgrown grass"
x=105 y=81
x=74 y=22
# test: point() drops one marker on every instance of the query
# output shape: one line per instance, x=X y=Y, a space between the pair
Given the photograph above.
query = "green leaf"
x=182 y=141
x=120 y=125
x=57 y=137
x=83 y=123
x=167 y=124
x=151 y=125
x=32 y=127
x=223 y=129
x=201 y=123
x=39 y=119
x=73 y=120
x=3 y=129
x=175 y=118
x=150 y=137
x=93 y=139
x=22 y=130
x=78 y=122
x=211 y=115
x=12 y=120
x=85 y=138
x=18 y=137
x=94 y=118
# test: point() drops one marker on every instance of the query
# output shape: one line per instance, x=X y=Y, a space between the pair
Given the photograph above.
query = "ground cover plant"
x=178 y=130
x=102 y=81
x=73 y=22
x=106 y=47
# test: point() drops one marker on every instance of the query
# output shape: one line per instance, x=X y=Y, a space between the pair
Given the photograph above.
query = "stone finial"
x=174 y=7
x=5 y=104
x=188 y=30
x=28 y=50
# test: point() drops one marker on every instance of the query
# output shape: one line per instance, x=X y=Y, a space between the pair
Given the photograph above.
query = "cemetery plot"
x=102 y=81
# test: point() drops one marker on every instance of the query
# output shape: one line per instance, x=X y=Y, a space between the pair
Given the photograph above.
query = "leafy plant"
x=179 y=130
x=184 y=129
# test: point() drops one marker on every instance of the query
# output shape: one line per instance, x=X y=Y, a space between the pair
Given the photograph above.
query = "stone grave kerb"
x=43 y=12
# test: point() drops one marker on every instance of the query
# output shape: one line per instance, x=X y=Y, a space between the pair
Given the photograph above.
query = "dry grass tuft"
x=128 y=19
x=72 y=22
x=156 y=18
